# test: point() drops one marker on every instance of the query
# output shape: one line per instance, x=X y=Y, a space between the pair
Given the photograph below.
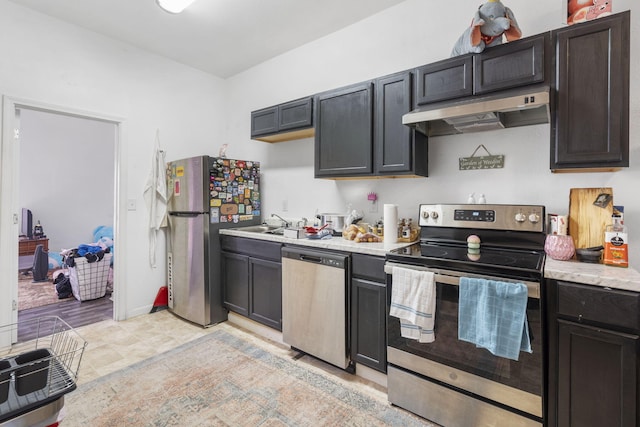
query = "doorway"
x=66 y=182
x=55 y=191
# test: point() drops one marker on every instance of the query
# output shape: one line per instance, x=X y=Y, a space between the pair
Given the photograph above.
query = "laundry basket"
x=89 y=279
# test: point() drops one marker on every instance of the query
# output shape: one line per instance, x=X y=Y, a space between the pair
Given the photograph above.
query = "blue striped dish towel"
x=493 y=315
x=413 y=301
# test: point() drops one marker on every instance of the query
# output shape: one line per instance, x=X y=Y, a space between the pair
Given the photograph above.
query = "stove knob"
x=434 y=215
x=425 y=214
x=520 y=217
x=534 y=218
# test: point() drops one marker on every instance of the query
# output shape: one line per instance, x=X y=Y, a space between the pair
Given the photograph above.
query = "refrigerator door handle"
x=186 y=214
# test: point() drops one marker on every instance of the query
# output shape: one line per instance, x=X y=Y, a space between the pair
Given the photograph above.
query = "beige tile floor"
x=114 y=345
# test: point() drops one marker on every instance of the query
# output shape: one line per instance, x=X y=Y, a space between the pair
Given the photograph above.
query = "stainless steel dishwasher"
x=315 y=303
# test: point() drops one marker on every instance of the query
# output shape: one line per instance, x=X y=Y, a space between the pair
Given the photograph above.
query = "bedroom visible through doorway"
x=66 y=180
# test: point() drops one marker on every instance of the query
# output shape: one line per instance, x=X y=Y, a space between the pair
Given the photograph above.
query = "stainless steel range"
x=454 y=382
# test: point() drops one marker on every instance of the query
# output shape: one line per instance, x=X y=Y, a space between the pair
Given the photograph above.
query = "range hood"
x=505 y=109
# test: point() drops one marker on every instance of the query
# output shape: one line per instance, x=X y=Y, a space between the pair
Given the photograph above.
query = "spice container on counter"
x=616 y=243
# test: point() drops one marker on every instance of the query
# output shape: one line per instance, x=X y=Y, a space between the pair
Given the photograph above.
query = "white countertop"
x=593 y=274
x=336 y=243
x=571 y=271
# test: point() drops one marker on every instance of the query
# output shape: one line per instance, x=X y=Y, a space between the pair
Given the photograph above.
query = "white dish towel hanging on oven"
x=413 y=301
x=493 y=315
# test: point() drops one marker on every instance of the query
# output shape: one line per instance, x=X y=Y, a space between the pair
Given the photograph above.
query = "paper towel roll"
x=390 y=224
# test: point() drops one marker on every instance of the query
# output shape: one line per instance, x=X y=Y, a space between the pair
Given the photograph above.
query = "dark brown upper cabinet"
x=284 y=122
x=590 y=122
x=344 y=132
x=398 y=149
x=518 y=63
x=359 y=131
x=448 y=79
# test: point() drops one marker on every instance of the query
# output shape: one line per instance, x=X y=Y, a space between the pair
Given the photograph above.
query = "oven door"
x=460 y=364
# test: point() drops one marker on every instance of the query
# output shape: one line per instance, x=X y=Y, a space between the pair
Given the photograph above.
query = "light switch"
x=131 y=204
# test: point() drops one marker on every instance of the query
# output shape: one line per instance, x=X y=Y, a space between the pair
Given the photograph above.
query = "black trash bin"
x=32 y=371
x=5 y=379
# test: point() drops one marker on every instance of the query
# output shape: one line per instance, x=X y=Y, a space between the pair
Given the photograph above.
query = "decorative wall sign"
x=482 y=162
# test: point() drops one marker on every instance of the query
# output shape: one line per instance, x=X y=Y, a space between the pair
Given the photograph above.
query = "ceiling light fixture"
x=174 y=6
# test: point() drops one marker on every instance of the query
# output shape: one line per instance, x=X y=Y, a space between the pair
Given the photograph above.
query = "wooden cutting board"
x=587 y=222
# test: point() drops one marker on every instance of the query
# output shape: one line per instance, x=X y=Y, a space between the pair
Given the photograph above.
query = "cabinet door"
x=344 y=132
x=264 y=122
x=448 y=79
x=590 y=127
x=265 y=300
x=295 y=114
x=235 y=282
x=393 y=141
x=597 y=378
x=512 y=64
x=368 y=323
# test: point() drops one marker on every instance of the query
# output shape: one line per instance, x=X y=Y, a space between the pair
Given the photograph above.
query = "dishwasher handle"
x=310 y=258
x=326 y=258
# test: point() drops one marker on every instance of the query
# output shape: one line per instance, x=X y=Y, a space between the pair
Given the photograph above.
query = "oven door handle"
x=453 y=278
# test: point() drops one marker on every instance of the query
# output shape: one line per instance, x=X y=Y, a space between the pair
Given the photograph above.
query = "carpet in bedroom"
x=224 y=379
x=36 y=294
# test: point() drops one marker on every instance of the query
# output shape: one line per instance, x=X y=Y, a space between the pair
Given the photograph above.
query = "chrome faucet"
x=284 y=221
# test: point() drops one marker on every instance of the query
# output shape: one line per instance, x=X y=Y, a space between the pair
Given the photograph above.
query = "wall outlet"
x=131 y=204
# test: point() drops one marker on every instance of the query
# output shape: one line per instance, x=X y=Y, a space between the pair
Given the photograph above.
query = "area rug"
x=36 y=294
x=222 y=379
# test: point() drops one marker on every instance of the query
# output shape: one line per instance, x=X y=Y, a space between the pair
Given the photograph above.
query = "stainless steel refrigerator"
x=205 y=195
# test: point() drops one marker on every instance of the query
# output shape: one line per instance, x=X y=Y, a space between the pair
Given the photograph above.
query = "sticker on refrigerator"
x=176 y=187
x=214 y=215
x=215 y=203
x=229 y=209
x=180 y=171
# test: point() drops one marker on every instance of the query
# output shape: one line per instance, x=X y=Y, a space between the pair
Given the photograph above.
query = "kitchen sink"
x=266 y=229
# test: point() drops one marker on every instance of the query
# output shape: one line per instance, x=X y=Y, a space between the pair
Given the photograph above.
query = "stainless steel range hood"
x=495 y=111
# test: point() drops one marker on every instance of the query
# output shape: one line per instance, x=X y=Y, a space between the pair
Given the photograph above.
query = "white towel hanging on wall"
x=155 y=196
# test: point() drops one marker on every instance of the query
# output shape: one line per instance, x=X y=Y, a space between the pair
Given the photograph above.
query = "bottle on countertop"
x=616 y=243
x=406 y=229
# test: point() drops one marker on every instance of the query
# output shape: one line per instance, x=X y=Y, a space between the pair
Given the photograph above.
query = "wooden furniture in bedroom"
x=28 y=246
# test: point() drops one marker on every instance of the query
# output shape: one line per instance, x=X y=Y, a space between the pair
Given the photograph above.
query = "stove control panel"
x=494 y=217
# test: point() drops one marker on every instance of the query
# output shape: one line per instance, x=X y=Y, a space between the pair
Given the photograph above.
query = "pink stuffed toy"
x=586 y=10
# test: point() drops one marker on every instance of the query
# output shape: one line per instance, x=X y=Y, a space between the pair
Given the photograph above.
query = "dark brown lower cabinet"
x=596 y=377
x=265 y=298
x=594 y=352
x=252 y=279
x=368 y=312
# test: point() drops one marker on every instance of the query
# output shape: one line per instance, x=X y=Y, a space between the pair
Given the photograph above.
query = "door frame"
x=9 y=218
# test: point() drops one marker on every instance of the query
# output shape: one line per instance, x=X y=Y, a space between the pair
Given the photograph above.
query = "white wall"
x=405 y=36
x=53 y=63
x=66 y=175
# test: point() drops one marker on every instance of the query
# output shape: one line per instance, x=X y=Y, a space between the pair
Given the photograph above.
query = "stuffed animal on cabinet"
x=492 y=21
